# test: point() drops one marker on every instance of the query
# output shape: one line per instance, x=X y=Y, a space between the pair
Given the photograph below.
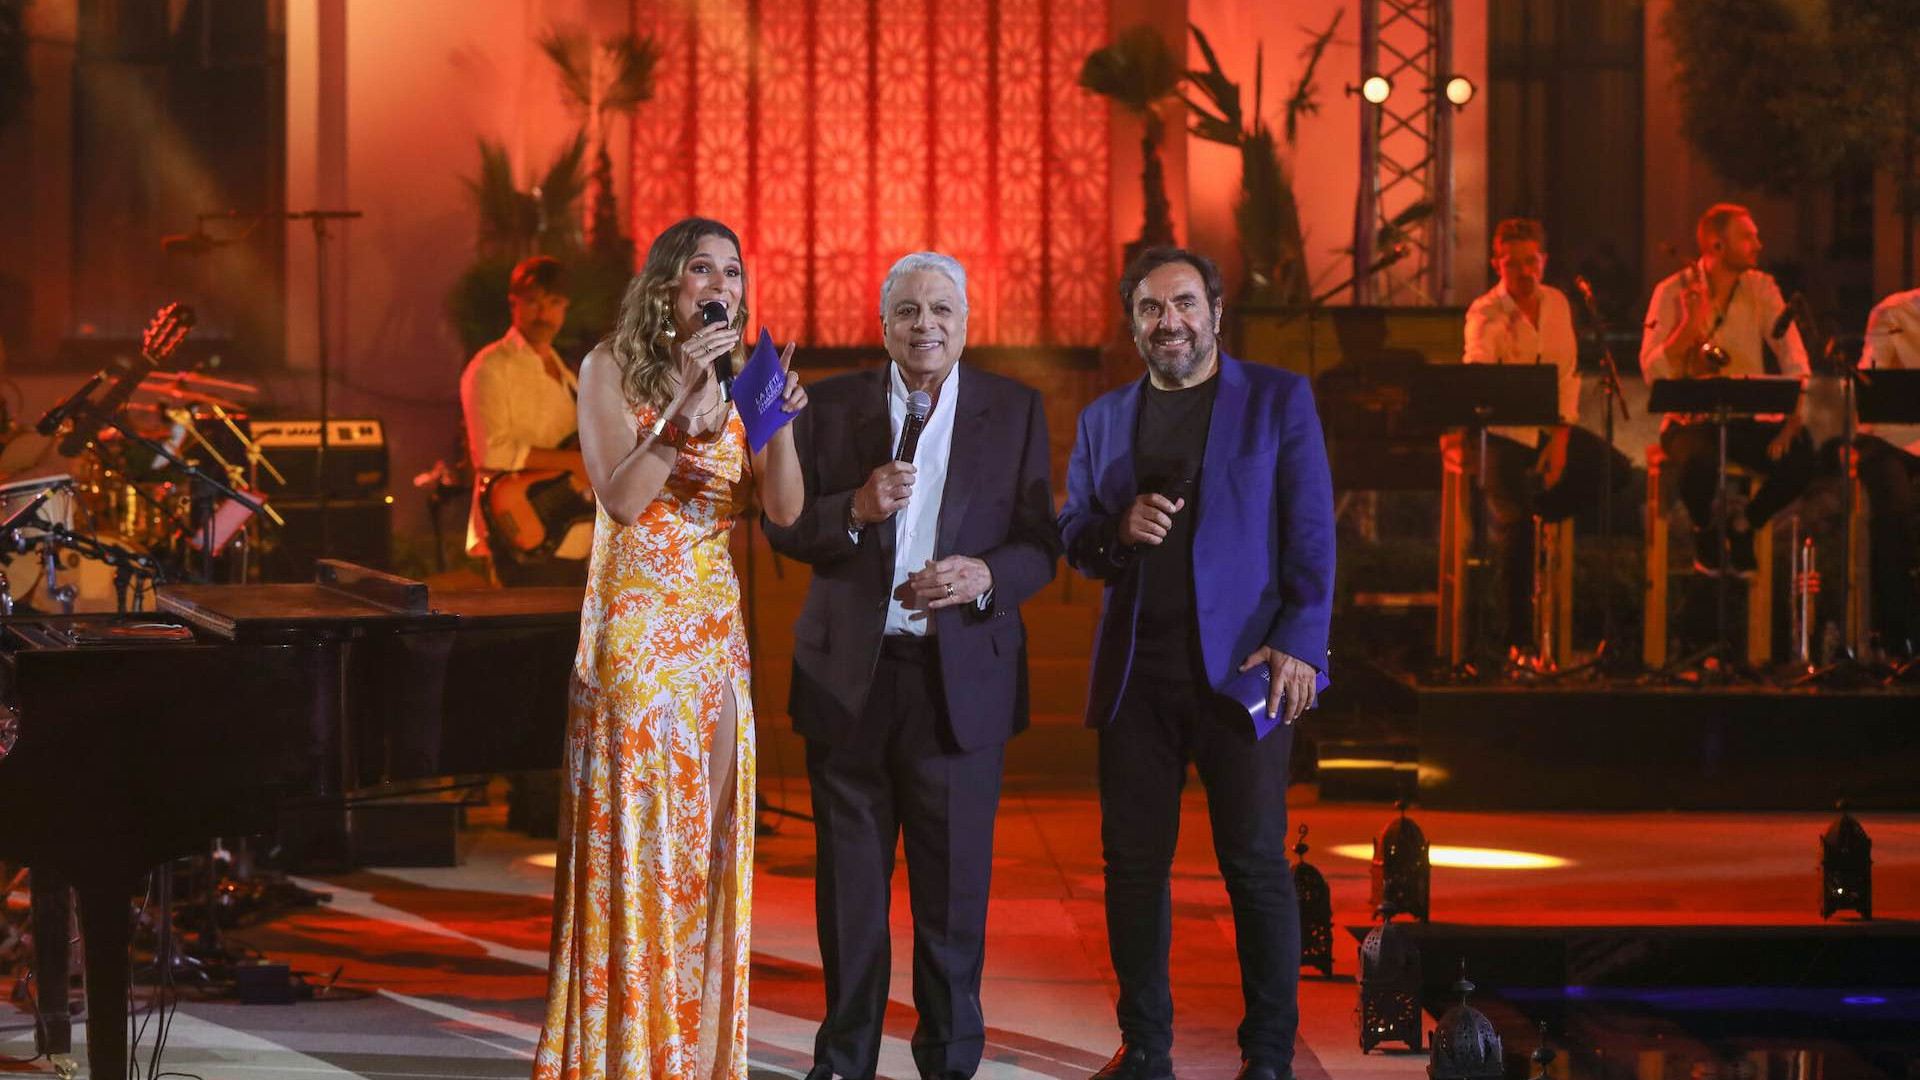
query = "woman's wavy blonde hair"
x=642 y=340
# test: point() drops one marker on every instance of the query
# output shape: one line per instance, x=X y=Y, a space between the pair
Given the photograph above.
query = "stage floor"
x=446 y=967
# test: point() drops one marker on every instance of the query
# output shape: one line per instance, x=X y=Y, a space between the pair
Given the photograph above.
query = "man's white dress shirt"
x=1499 y=333
x=517 y=398
x=1755 y=306
x=917 y=524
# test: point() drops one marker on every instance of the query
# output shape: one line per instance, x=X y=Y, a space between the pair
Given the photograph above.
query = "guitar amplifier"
x=356 y=456
x=358 y=530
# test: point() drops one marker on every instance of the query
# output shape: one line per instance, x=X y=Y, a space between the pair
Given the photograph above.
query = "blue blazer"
x=1263 y=547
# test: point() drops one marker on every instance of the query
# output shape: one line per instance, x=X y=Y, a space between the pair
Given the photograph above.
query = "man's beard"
x=1176 y=367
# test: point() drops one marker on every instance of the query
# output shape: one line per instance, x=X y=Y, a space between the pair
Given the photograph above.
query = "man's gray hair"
x=925 y=260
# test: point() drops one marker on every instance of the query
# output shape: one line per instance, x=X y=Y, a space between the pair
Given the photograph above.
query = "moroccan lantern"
x=1846 y=867
x=1402 y=873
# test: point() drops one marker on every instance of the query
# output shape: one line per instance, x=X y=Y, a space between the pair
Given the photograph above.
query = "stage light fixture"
x=1459 y=90
x=1389 y=987
x=1402 y=873
x=543 y=861
x=1376 y=89
x=1465 y=1044
x=1316 y=910
x=1846 y=867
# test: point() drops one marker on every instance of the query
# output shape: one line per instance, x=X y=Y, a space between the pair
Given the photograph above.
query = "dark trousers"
x=1887 y=473
x=1159 y=726
x=1509 y=511
x=900 y=775
x=1693 y=453
x=1514 y=498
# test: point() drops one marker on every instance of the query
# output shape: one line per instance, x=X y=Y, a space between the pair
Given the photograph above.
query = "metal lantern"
x=1316 y=910
x=1465 y=1045
x=1402 y=874
x=1542 y=1056
x=1846 y=867
x=1389 y=987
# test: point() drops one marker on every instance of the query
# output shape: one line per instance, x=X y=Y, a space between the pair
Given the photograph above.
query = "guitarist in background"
x=518 y=397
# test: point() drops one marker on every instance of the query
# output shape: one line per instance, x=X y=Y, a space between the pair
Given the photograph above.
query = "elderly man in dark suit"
x=909 y=660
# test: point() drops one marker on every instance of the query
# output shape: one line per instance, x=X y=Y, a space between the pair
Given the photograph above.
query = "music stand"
x=1475 y=397
x=1889 y=396
x=1721 y=400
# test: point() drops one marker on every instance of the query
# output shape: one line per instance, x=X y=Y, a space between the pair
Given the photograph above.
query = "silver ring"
x=949 y=590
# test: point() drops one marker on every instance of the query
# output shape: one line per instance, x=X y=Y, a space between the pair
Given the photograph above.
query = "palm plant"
x=1266 y=215
x=1139 y=73
x=600 y=81
x=515 y=223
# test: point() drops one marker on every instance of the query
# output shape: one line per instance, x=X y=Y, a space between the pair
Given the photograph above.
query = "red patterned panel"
x=720 y=139
x=841 y=134
x=901 y=150
x=660 y=160
x=958 y=61
x=1018 y=299
x=778 y=248
x=1078 y=217
x=843 y=158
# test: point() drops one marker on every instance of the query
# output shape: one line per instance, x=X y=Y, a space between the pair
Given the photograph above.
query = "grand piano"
x=127 y=741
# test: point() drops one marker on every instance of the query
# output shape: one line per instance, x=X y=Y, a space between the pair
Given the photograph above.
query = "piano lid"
x=344 y=597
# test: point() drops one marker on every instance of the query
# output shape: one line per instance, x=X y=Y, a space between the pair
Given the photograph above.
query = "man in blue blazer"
x=1201 y=496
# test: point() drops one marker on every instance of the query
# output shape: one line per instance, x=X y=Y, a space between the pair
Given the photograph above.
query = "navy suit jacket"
x=997 y=507
x=1263 y=547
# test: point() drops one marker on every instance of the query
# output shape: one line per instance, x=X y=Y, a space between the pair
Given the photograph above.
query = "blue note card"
x=1249 y=689
x=757 y=391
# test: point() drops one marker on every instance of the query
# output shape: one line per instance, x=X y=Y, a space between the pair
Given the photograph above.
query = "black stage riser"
x=1636 y=748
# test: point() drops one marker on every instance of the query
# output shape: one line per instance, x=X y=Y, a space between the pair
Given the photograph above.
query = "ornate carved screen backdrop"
x=837 y=135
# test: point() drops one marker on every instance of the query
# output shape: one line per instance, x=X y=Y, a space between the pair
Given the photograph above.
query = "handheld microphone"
x=54 y=417
x=1794 y=304
x=918 y=406
x=711 y=312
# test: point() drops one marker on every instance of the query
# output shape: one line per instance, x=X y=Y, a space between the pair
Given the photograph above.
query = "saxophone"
x=1708 y=360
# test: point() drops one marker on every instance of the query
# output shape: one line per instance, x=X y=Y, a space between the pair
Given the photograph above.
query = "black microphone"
x=1794 y=304
x=711 y=312
x=54 y=417
x=918 y=406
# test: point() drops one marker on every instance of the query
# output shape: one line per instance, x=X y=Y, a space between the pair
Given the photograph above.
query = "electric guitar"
x=529 y=511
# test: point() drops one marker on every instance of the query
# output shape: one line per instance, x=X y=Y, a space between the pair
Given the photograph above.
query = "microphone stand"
x=318 y=219
x=1846 y=668
x=1606 y=655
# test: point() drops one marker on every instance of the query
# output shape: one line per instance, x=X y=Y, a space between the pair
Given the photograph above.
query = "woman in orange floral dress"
x=653 y=886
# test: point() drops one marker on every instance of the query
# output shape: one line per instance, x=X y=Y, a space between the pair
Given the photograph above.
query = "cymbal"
x=175 y=396
x=194 y=378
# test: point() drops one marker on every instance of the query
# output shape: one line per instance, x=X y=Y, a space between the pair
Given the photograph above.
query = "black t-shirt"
x=1168 y=445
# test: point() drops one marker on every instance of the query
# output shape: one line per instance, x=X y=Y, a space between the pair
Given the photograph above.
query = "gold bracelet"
x=666 y=432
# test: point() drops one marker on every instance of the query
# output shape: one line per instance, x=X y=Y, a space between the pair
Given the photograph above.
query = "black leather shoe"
x=820 y=1072
x=1255 y=1069
x=1136 y=1063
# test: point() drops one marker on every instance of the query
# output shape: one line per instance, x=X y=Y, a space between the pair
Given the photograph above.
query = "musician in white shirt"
x=518 y=399
x=1724 y=300
x=1889 y=463
x=1523 y=320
